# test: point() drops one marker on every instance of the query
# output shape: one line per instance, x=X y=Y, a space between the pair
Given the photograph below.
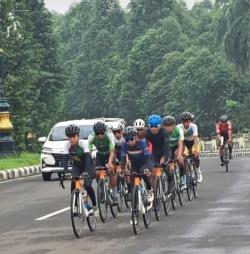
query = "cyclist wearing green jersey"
x=81 y=162
x=105 y=146
x=176 y=140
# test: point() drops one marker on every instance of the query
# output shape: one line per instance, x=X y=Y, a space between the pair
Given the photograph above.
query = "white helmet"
x=139 y=123
x=119 y=127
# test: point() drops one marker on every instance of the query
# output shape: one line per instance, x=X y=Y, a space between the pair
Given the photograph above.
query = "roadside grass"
x=18 y=161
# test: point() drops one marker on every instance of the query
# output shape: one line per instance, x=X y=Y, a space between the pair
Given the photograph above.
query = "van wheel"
x=46 y=176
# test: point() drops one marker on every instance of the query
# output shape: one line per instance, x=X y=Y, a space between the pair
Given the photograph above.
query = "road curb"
x=19 y=172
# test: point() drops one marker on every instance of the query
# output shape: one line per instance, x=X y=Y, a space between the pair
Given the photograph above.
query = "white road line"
x=53 y=214
x=18 y=179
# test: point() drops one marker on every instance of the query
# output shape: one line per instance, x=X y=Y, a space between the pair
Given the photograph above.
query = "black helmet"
x=186 y=116
x=168 y=120
x=99 y=127
x=129 y=132
x=72 y=129
x=223 y=118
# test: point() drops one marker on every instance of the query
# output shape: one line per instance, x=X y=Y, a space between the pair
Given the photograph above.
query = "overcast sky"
x=63 y=5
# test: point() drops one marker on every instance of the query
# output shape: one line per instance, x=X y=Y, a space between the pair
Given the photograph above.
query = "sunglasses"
x=139 y=129
x=154 y=126
x=101 y=133
x=72 y=135
x=117 y=132
x=129 y=139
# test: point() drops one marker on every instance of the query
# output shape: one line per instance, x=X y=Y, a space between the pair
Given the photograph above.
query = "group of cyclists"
x=138 y=148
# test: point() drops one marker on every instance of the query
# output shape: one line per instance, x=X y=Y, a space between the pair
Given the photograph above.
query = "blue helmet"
x=154 y=120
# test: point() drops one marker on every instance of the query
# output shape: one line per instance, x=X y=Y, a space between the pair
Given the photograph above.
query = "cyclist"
x=139 y=124
x=140 y=159
x=158 y=137
x=191 y=139
x=224 y=129
x=81 y=161
x=176 y=139
x=119 y=140
x=105 y=146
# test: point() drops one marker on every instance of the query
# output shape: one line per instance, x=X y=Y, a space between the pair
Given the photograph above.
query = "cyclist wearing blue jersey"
x=140 y=159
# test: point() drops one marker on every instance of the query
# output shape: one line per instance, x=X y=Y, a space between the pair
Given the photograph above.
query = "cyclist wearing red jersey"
x=224 y=129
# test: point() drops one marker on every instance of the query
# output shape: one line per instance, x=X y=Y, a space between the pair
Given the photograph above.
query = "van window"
x=58 y=133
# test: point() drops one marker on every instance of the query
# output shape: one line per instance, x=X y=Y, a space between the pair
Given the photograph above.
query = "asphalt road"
x=217 y=222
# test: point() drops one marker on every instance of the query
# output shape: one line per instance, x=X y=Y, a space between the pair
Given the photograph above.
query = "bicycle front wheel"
x=121 y=195
x=195 y=182
x=157 y=199
x=189 y=183
x=102 y=200
x=135 y=211
x=76 y=213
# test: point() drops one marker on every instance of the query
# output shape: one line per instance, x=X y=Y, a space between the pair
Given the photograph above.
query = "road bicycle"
x=81 y=207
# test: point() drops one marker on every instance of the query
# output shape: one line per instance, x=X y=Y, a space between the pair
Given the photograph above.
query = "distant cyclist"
x=191 y=139
x=159 y=139
x=176 y=140
x=79 y=151
x=140 y=126
x=119 y=140
x=139 y=157
x=224 y=129
x=105 y=146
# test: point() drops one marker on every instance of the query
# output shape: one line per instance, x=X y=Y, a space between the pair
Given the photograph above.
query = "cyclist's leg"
x=230 y=145
x=182 y=169
x=89 y=189
x=76 y=172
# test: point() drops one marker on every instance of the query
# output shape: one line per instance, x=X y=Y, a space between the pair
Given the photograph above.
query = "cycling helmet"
x=168 y=120
x=154 y=120
x=129 y=132
x=139 y=123
x=72 y=129
x=186 y=116
x=223 y=118
x=119 y=127
x=99 y=126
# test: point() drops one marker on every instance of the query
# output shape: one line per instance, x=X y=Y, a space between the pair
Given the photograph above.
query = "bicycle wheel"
x=77 y=217
x=189 y=183
x=180 y=194
x=226 y=157
x=114 y=210
x=121 y=194
x=157 y=199
x=174 y=200
x=135 y=211
x=146 y=216
x=91 y=220
x=165 y=199
x=102 y=200
x=195 y=182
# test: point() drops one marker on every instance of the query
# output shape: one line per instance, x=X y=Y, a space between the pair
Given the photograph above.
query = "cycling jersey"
x=138 y=154
x=160 y=144
x=104 y=145
x=80 y=157
x=175 y=136
x=118 y=146
x=190 y=132
x=223 y=129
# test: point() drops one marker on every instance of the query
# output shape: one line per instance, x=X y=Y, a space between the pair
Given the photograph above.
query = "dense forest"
x=98 y=59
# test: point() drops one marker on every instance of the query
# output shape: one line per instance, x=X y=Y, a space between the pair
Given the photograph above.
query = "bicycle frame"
x=81 y=195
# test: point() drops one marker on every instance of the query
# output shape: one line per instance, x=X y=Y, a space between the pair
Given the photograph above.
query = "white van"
x=52 y=152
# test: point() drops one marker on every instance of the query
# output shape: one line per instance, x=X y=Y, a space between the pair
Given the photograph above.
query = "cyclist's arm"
x=65 y=156
x=90 y=142
x=181 y=142
x=123 y=156
x=217 y=130
x=87 y=156
x=167 y=150
x=111 y=148
x=229 y=131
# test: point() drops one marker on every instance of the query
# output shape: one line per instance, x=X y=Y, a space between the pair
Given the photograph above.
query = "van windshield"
x=58 y=133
